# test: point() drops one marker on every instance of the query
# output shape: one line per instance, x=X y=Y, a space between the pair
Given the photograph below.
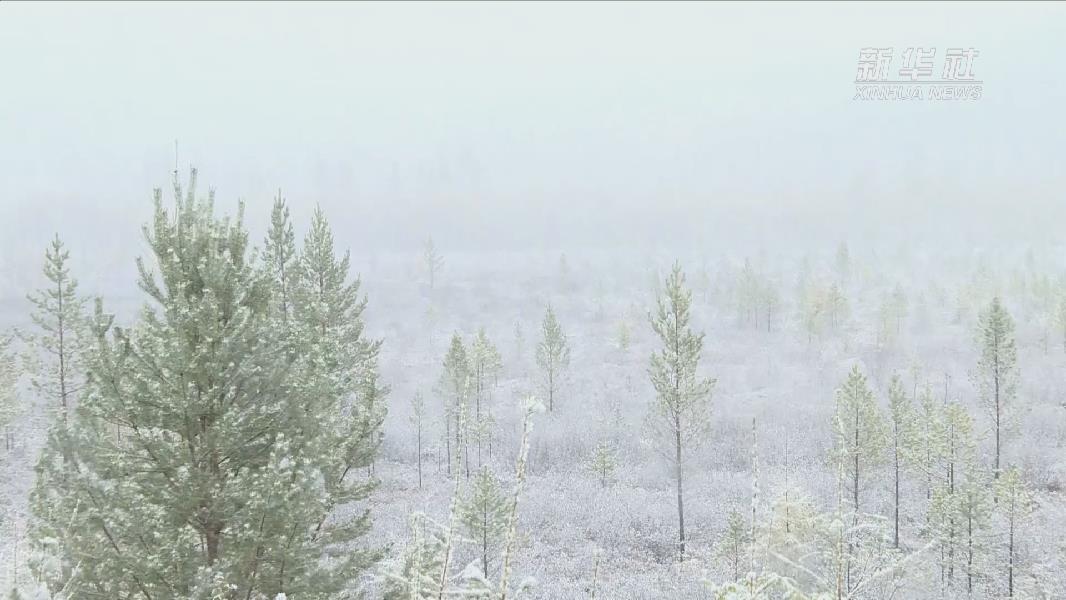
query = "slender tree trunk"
x=595 y=576
x=995 y=472
x=951 y=519
x=551 y=388
x=855 y=476
x=459 y=445
x=787 y=516
x=477 y=415
x=1010 y=549
x=61 y=327
x=680 y=500
x=995 y=380
x=896 y=466
x=212 y=536
x=969 y=554
x=62 y=355
x=736 y=562
x=485 y=544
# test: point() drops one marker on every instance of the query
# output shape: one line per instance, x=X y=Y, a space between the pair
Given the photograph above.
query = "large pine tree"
x=231 y=454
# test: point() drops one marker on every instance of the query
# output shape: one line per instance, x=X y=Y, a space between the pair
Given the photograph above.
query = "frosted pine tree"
x=680 y=418
x=454 y=388
x=733 y=547
x=485 y=367
x=996 y=376
x=944 y=524
x=339 y=357
x=236 y=454
x=415 y=575
x=860 y=432
x=789 y=538
x=900 y=419
x=58 y=313
x=1015 y=502
x=418 y=414
x=603 y=463
x=280 y=259
x=926 y=435
x=973 y=503
x=553 y=355
x=483 y=514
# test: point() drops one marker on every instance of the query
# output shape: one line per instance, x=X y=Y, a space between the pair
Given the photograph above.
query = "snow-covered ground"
x=778 y=379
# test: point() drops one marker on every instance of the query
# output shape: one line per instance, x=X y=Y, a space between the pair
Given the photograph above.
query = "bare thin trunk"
x=855 y=475
x=969 y=554
x=420 y=455
x=896 y=465
x=680 y=500
x=1010 y=559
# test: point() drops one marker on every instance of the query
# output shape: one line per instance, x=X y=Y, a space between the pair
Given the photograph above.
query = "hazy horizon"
x=514 y=127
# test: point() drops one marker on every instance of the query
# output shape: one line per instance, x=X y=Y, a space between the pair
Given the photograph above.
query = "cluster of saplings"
x=965 y=538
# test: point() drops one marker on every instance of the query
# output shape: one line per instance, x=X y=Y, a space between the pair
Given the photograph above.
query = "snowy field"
x=773 y=403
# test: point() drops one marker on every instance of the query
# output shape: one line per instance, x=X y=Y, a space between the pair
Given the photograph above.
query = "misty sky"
x=521 y=125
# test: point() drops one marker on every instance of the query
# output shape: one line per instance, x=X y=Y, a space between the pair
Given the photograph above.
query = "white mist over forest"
x=604 y=248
